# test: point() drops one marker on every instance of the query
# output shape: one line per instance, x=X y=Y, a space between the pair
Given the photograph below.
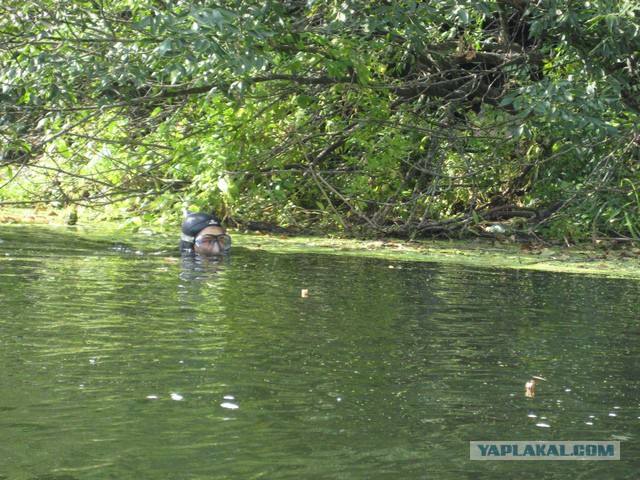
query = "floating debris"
x=176 y=396
x=230 y=406
x=529 y=387
x=497 y=229
x=304 y=292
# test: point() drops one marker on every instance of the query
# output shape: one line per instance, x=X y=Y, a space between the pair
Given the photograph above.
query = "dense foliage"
x=396 y=117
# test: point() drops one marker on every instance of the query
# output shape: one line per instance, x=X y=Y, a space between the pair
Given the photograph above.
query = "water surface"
x=123 y=362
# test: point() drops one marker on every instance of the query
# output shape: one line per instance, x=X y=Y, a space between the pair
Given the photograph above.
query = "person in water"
x=202 y=233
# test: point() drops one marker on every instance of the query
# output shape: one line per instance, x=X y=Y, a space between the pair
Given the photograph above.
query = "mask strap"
x=187 y=238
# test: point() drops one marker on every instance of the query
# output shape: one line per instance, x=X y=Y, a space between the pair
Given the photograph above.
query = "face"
x=212 y=240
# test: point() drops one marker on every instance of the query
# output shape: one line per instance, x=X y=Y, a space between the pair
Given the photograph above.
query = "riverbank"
x=605 y=257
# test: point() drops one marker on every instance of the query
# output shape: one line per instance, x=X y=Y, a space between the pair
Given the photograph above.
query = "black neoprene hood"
x=194 y=223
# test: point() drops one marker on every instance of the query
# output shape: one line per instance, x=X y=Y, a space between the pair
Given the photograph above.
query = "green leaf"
x=164 y=47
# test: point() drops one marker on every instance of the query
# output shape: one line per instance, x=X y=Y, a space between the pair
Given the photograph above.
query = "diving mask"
x=207 y=242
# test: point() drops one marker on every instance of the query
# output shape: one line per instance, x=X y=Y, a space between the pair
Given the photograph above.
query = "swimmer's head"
x=202 y=233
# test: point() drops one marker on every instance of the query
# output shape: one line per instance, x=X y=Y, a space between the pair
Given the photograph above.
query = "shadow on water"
x=139 y=363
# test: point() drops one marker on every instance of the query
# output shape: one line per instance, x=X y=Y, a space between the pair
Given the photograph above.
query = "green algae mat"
x=609 y=257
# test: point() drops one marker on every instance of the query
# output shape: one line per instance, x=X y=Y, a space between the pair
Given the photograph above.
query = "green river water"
x=134 y=363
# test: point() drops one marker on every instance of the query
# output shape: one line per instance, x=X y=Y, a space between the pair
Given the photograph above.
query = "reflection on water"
x=121 y=363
